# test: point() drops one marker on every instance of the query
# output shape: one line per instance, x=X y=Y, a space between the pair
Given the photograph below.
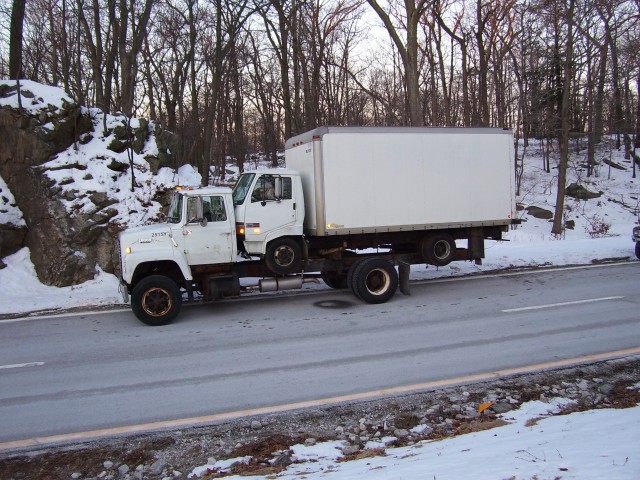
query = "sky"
x=588 y=445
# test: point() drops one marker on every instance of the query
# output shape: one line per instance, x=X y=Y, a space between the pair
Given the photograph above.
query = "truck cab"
x=269 y=212
x=196 y=241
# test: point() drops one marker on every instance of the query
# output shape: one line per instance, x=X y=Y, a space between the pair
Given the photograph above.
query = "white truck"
x=353 y=204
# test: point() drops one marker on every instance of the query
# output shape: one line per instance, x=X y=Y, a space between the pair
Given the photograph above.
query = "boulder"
x=539 y=212
x=580 y=193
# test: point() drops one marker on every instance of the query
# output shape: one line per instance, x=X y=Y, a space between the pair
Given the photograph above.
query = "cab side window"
x=265 y=189
x=192 y=210
x=286 y=188
x=213 y=209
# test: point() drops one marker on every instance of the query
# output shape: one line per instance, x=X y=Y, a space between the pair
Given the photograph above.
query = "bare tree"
x=228 y=22
x=408 y=50
x=131 y=33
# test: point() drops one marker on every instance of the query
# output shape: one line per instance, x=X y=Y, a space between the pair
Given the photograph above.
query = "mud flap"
x=403 y=272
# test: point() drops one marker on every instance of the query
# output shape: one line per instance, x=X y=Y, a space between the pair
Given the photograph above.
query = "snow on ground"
x=595 y=444
x=22 y=292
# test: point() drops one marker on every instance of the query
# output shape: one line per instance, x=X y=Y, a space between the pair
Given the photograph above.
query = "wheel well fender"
x=168 y=268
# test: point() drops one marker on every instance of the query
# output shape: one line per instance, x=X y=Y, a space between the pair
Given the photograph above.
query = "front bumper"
x=124 y=291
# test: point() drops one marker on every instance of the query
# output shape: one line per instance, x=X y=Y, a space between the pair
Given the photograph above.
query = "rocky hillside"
x=71 y=176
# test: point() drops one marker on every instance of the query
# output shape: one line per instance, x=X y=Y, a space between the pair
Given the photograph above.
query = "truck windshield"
x=242 y=188
x=174 y=214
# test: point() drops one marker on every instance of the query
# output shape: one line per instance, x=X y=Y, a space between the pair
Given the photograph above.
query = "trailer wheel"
x=283 y=256
x=438 y=249
x=375 y=280
x=335 y=280
x=156 y=300
x=638 y=249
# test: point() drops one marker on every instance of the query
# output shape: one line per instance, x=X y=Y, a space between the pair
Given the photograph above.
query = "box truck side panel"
x=396 y=181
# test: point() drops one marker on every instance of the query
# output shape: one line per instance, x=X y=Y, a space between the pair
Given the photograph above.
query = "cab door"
x=211 y=240
x=271 y=207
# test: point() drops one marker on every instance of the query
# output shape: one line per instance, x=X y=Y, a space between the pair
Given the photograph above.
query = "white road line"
x=21 y=365
x=551 y=305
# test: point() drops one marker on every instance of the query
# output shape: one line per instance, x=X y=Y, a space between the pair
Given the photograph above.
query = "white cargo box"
x=379 y=179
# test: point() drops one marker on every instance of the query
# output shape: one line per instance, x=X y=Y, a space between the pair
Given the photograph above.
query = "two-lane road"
x=78 y=373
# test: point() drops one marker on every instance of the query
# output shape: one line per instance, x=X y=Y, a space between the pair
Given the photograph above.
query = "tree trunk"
x=565 y=125
x=15 y=39
x=483 y=68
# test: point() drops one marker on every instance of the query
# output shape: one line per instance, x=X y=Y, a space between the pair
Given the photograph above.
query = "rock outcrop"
x=71 y=219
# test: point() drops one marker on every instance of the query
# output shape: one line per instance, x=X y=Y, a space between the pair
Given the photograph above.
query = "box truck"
x=353 y=204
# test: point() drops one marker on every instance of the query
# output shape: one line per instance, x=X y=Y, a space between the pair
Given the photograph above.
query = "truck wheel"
x=335 y=280
x=375 y=280
x=156 y=300
x=438 y=249
x=351 y=275
x=638 y=249
x=283 y=256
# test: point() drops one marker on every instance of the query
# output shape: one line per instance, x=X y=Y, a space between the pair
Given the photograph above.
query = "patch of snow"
x=44 y=97
x=10 y=214
x=21 y=291
x=219 y=466
x=589 y=445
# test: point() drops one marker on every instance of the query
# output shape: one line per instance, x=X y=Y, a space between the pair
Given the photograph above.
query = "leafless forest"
x=235 y=77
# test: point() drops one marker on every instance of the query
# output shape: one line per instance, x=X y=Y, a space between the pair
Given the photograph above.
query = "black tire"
x=438 y=249
x=638 y=250
x=337 y=281
x=351 y=274
x=375 y=280
x=156 y=300
x=283 y=256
